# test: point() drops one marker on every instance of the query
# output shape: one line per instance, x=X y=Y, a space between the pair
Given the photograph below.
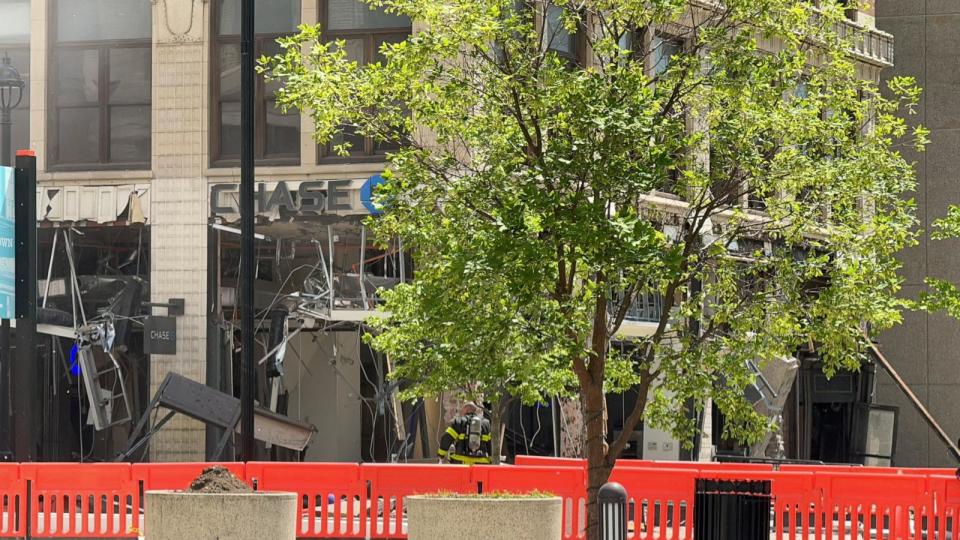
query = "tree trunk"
x=497 y=416
x=599 y=466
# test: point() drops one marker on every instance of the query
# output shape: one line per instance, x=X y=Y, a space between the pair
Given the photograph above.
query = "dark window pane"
x=663 y=50
x=92 y=20
x=15 y=23
x=283 y=132
x=355 y=48
x=347 y=135
x=78 y=76
x=19 y=129
x=271 y=16
x=230 y=71
x=556 y=35
x=357 y=15
x=130 y=134
x=230 y=130
x=381 y=40
x=130 y=73
x=78 y=132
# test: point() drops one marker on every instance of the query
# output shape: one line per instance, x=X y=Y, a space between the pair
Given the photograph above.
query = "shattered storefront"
x=93 y=285
x=318 y=271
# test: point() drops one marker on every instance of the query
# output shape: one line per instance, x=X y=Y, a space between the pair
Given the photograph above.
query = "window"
x=15 y=42
x=662 y=49
x=363 y=31
x=100 y=99
x=276 y=135
x=556 y=37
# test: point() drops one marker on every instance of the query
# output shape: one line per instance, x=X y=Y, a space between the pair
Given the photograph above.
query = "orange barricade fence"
x=567 y=483
x=90 y=501
x=333 y=499
x=13 y=497
x=389 y=484
x=345 y=500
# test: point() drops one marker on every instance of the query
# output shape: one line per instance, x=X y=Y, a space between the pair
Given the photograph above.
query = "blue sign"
x=366 y=193
x=8 y=250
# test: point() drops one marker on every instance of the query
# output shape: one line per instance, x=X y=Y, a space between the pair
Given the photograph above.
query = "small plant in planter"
x=496 y=515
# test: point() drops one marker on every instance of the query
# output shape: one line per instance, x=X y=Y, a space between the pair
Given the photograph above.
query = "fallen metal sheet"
x=201 y=402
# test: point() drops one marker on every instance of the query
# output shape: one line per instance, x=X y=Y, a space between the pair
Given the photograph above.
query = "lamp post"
x=11 y=93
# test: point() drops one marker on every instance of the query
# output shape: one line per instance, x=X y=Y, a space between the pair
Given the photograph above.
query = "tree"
x=723 y=156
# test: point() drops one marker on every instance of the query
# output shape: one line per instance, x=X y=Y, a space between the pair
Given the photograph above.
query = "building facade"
x=925 y=349
x=133 y=111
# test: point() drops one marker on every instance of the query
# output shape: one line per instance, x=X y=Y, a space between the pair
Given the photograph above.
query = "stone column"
x=179 y=203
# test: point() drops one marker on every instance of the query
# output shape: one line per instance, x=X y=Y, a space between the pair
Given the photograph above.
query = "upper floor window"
x=99 y=109
x=556 y=36
x=276 y=134
x=363 y=31
x=15 y=43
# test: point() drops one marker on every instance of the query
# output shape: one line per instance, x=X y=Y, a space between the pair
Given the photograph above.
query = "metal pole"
x=6 y=357
x=248 y=374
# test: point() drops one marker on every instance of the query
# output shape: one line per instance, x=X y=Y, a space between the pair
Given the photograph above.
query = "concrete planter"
x=431 y=517
x=175 y=515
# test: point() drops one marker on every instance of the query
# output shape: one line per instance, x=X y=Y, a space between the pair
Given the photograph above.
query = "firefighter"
x=467 y=440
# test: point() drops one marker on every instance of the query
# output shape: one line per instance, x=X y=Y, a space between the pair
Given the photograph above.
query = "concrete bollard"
x=177 y=515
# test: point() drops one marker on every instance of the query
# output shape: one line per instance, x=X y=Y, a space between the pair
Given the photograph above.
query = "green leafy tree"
x=722 y=156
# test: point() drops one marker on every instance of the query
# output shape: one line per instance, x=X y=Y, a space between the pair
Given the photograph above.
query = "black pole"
x=25 y=380
x=248 y=374
x=6 y=357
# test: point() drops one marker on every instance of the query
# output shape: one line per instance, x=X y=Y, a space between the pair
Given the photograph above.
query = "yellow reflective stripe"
x=484 y=437
x=453 y=433
x=467 y=460
x=441 y=453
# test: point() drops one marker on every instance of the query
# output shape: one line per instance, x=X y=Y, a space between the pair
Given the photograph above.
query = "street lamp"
x=11 y=93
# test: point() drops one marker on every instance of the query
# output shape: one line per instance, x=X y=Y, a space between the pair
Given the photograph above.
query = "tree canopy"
x=560 y=160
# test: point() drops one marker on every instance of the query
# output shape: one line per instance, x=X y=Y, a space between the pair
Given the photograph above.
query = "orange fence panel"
x=333 y=499
x=13 y=501
x=93 y=501
x=569 y=483
x=390 y=484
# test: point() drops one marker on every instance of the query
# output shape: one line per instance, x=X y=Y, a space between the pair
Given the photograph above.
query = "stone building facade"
x=925 y=349
x=133 y=112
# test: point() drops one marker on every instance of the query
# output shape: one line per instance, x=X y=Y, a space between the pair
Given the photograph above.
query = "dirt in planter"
x=218 y=480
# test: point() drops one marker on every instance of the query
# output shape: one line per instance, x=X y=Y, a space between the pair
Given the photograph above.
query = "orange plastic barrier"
x=94 y=500
x=56 y=500
x=13 y=501
x=566 y=482
x=388 y=484
x=333 y=498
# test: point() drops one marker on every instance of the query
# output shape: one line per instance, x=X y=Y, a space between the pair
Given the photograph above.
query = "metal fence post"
x=613 y=511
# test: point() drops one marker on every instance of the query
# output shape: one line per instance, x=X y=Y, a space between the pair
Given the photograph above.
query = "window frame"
x=325 y=154
x=261 y=98
x=579 y=54
x=103 y=48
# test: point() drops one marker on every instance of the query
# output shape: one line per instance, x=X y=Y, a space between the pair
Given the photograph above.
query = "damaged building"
x=133 y=110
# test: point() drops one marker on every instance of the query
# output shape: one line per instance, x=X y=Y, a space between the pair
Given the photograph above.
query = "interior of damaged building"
x=323 y=393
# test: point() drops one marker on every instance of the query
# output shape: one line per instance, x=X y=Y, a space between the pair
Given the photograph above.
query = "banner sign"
x=8 y=259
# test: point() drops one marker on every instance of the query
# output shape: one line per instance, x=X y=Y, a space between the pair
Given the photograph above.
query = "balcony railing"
x=646 y=307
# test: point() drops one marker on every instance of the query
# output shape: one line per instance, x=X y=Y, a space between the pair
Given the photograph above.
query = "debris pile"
x=218 y=479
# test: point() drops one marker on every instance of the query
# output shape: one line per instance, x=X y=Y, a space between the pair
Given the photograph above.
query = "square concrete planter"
x=177 y=515
x=432 y=517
